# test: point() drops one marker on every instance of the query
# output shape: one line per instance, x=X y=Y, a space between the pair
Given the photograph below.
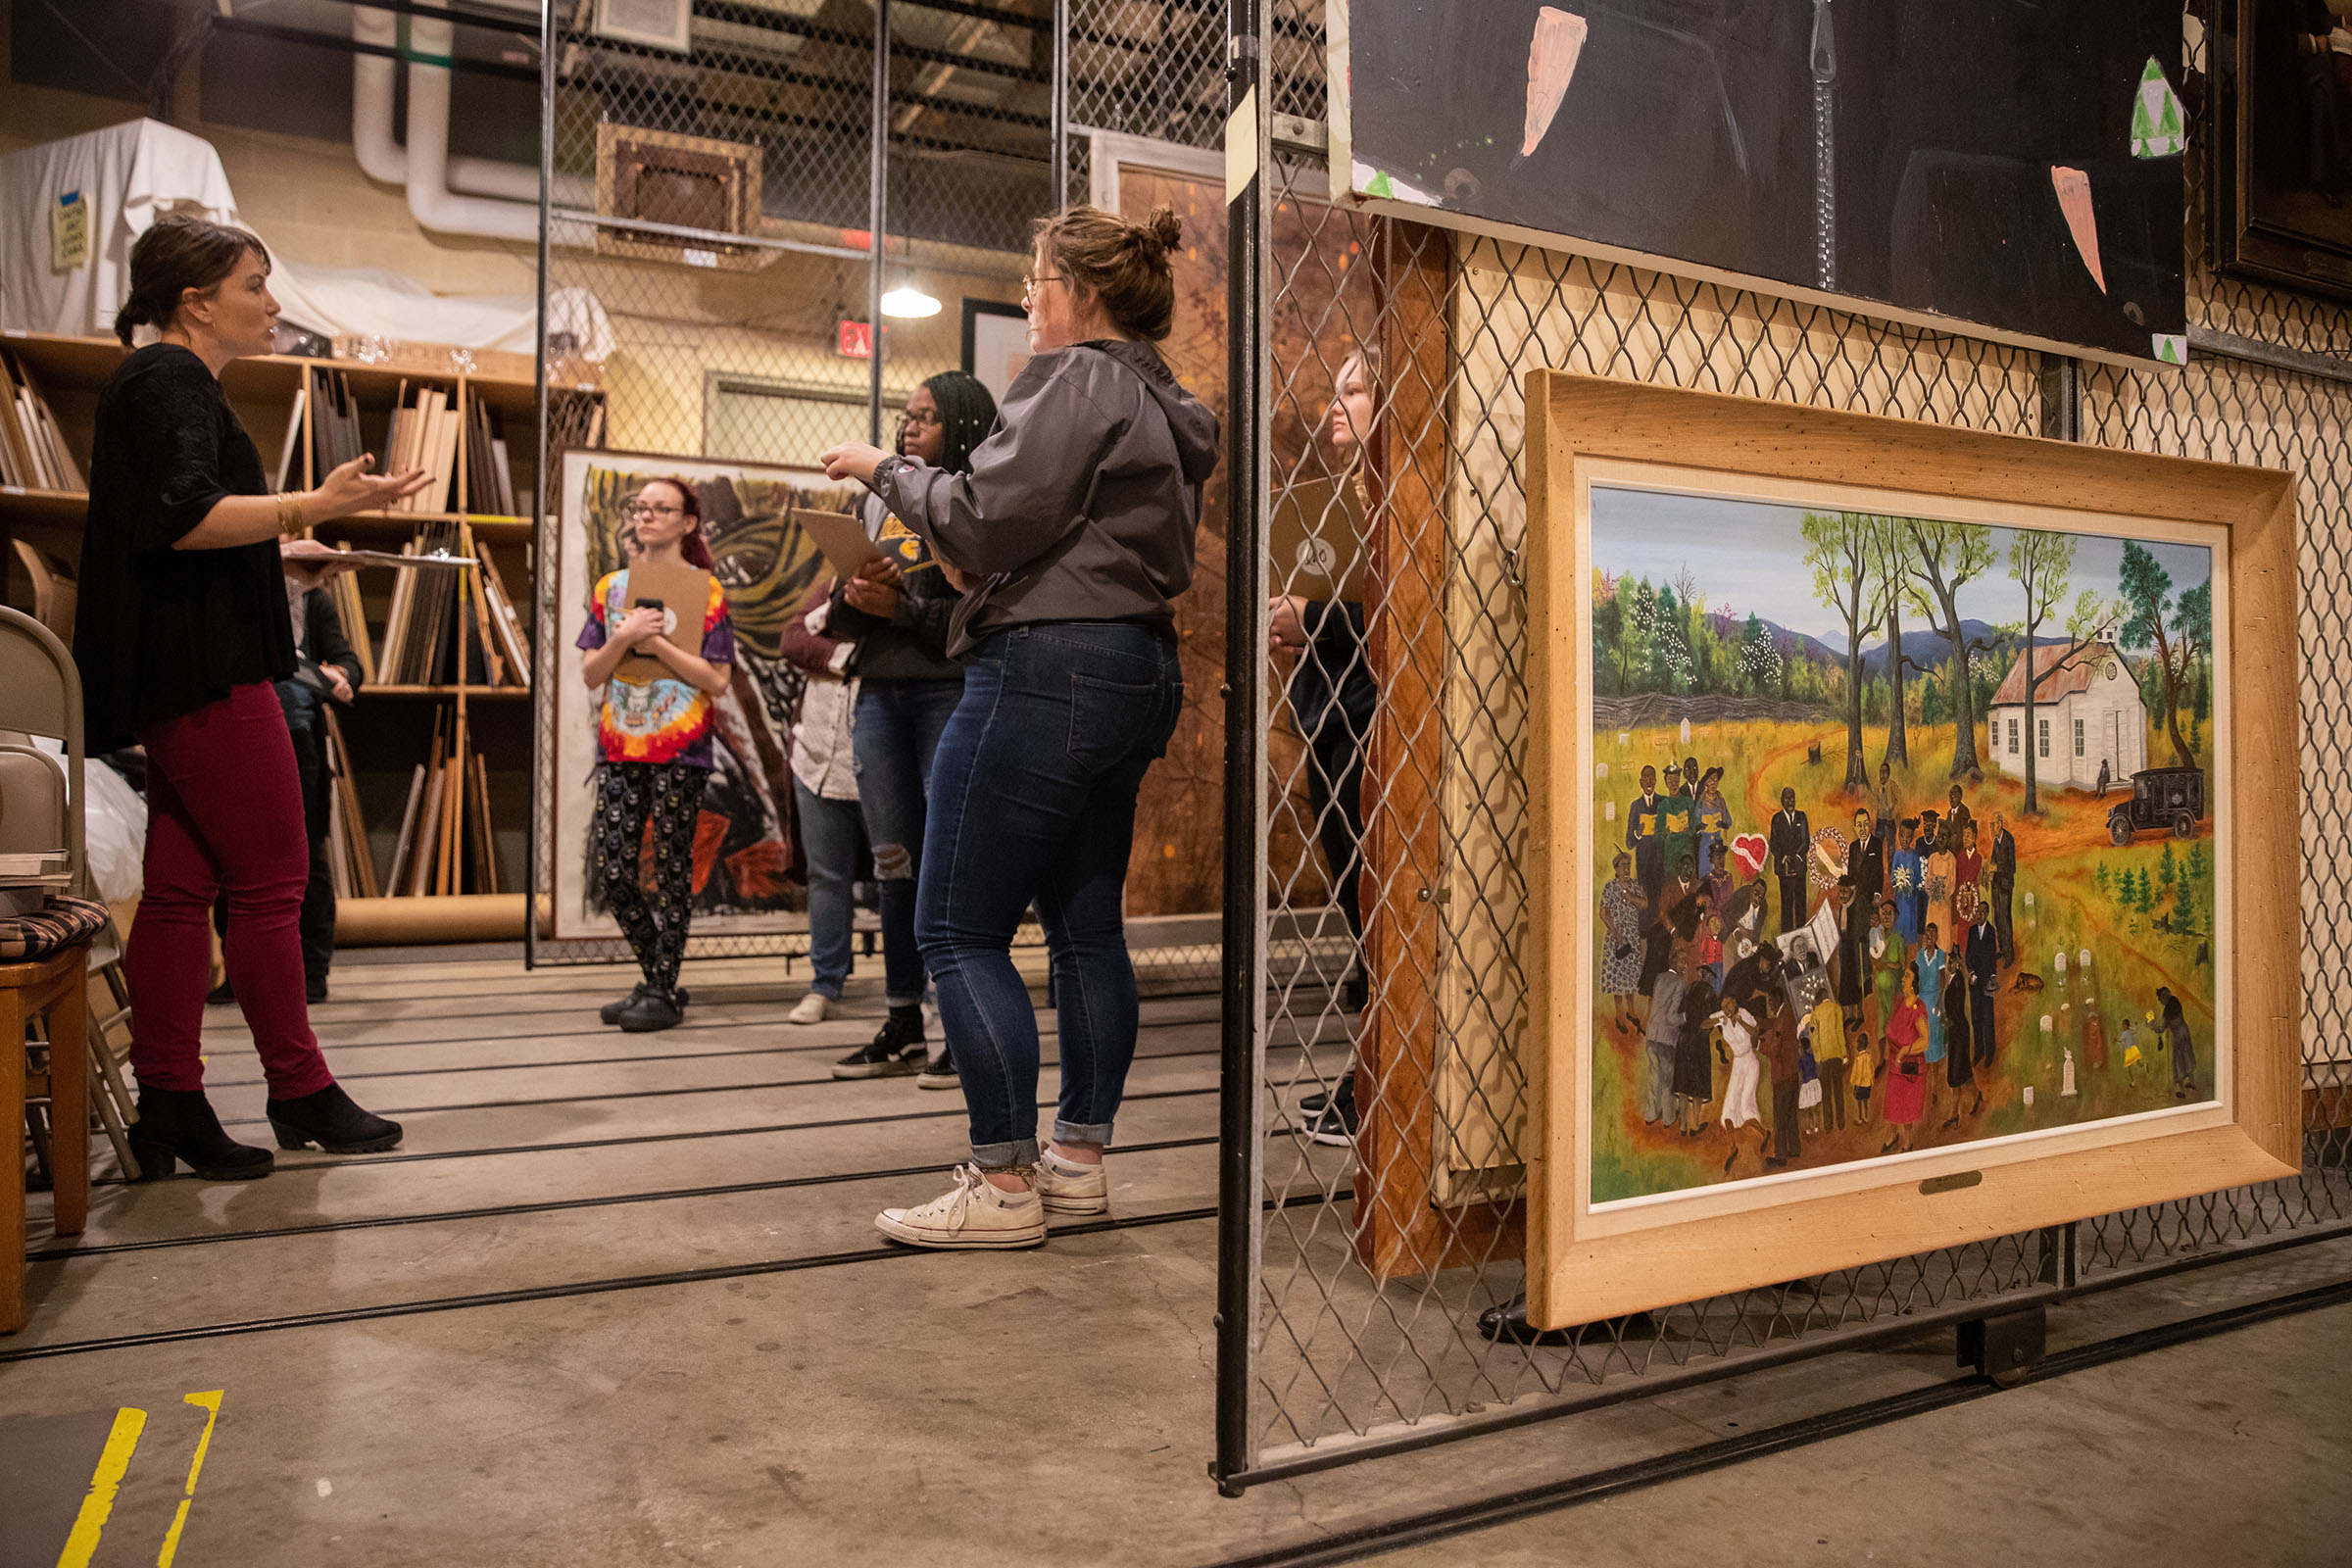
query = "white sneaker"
x=974 y=1215
x=815 y=1008
x=1067 y=1187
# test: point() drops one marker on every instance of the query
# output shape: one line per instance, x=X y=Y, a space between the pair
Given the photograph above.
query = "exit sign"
x=857 y=340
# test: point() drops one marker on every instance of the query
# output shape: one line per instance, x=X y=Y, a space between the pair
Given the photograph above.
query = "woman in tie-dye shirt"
x=655 y=740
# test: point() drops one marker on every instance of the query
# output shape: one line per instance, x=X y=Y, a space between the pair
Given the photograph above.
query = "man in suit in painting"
x=2004 y=886
x=1983 y=954
x=1789 y=841
x=1643 y=825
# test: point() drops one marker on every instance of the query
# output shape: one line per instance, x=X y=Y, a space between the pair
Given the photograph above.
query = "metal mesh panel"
x=1149 y=68
x=724 y=319
x=1385 y=1240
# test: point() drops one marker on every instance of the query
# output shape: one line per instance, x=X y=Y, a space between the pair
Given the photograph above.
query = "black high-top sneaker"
x=896 y=1050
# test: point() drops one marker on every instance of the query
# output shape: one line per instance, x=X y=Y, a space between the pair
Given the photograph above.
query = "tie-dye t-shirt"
x=663 y=720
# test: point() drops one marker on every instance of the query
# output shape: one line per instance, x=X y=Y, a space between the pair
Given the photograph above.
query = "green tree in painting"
x=2195 y=868
x=2099 y=879
x=2177 y=633
x=2134 y=895
x=1888 y=542
x=2167 y=871
x=1608 y=630
x=1944 y=558
x=1838 y=549
x=2184 y=910
x=1761 y=664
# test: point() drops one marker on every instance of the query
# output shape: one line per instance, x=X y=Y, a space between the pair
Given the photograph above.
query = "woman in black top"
x=184 y=627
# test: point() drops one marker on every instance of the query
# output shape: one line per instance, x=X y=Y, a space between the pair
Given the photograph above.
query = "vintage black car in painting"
x=2162 y=798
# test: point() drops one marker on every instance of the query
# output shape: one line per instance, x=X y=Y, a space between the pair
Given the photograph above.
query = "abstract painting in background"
x=2280 y=180
x=1857 y=897
x=768 y=565
x=2012 y=166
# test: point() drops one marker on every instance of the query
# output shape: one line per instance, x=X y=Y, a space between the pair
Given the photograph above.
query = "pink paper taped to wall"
x=1551 y=56
x=2073 y=198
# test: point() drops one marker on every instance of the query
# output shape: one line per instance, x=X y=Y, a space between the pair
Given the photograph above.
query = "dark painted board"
x=1688 y=133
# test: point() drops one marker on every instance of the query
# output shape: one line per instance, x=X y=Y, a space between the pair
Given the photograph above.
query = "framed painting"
x=996 y=343
x=742 y=857
x=2013 y=170
x=2281 y=142
x=1914 y=838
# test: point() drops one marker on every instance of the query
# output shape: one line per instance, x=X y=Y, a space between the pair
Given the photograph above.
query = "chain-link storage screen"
x=1394 y=1042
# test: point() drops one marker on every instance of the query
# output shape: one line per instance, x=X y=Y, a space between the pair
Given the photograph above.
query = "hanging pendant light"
x=909 y=303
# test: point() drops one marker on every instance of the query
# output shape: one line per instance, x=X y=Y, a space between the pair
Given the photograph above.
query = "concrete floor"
x=805 y=1395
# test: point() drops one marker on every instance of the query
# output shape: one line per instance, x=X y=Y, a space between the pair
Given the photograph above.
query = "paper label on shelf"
x=69 y=233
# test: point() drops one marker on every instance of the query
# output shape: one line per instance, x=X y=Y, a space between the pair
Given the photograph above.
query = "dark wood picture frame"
x=2257 y=215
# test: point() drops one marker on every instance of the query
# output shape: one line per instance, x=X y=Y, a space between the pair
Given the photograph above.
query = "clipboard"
x=841 y=537
x=1315 y=541
x=682 y=591
x=378 y=557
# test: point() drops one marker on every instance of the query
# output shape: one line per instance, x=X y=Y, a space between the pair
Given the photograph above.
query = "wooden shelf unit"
x=269 y=393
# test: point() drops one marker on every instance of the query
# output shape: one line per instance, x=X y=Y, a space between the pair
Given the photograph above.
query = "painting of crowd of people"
x=1863 y=891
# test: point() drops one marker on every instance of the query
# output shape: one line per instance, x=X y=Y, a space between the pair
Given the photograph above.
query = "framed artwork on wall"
x=2281 y=143
x=741 y=877
x=996 y=343
x=2011 y=171
x=1912 y=852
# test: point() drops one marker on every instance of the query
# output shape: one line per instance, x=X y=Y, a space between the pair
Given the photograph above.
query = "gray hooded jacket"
x=1082 y=502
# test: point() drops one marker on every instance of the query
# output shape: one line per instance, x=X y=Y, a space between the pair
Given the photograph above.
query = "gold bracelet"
x=289 y=513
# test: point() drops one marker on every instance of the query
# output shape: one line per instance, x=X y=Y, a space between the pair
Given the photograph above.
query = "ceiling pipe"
x=371 y=114
x=430 y=200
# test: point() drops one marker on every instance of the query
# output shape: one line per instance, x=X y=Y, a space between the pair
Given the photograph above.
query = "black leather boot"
x=331 y=1120
x=177 y=1126
x=611 y=1011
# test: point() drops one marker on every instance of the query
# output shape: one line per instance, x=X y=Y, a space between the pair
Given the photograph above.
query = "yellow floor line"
x=210 y=1403
x=113 y=1462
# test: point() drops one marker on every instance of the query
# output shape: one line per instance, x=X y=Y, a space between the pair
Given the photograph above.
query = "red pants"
x=224 y=814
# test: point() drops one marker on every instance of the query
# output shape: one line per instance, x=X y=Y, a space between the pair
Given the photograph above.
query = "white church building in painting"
x=2086 y=713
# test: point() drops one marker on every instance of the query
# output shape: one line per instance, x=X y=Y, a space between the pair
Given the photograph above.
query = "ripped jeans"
x=896 y=731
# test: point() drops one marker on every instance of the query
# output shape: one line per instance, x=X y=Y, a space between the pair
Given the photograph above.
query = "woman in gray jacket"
x=1073 y=532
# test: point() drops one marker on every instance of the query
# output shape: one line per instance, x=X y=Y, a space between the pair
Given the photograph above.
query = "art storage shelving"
x=421 y=856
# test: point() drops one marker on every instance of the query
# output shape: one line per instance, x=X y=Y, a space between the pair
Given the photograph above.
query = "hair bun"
x=1163 y=229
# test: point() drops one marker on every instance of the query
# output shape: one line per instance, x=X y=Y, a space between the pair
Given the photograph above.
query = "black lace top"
x=160 y=632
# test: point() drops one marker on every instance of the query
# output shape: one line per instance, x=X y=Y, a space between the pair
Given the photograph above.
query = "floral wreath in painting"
x=1828 y=856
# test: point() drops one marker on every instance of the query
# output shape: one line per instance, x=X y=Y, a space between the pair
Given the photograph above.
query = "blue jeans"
x=1033 y=799
x=897 y=728
x=830 y=833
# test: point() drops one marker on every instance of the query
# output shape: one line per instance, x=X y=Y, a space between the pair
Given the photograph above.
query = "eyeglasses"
x=910 y=419
x=647 y=509
x=1029 y=282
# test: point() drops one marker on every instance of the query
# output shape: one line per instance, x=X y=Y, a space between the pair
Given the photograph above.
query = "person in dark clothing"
x=1332 y=696
x=898 y=610
x=183 y=630
x=1866 y=861
x=2004 y=887
x=1644 y=824
x=1783 y=1067
x=1074 y=534
x=326 y=669
x=1983 y=957
x=2173 y=1026
x=1789 y=843
x=1754 y=980
x=1958 y=1066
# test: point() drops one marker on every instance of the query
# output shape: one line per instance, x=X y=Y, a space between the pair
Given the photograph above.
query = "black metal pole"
x=1060 y=116
x=1238 y=1218
x=544 y=531
x=877 y=214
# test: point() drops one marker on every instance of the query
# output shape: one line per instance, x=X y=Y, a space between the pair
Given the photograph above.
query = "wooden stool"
x=53 y=990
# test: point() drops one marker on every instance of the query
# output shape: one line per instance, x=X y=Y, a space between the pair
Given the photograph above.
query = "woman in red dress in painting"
x=1905 y=1076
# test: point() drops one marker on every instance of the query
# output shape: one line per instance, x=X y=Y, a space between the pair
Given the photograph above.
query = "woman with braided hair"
x=897 y=612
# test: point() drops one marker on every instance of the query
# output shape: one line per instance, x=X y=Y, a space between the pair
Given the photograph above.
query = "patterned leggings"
x=668 y=794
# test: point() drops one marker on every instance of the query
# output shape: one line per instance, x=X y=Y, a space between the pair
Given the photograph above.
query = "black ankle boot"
x=178 y=1125
x=330 y=1119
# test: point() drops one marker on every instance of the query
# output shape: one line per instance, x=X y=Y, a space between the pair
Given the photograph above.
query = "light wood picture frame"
x=1589 y=1260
